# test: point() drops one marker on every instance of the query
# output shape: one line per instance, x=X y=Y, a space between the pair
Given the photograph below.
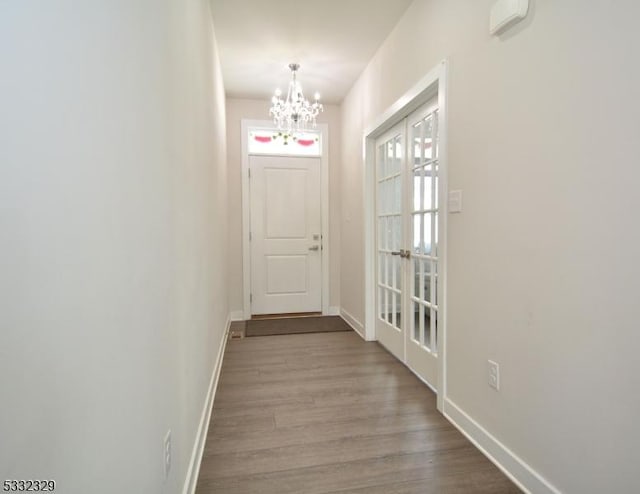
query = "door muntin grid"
x=389 y=176
x=424 y=163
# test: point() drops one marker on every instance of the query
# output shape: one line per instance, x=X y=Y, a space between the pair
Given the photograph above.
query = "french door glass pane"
x=427 y=188
x=418 y=181
x=416 y=147
x=436 y=140
x=398 y=236
x=417 y=228
x=434 y=193
x=417 y=274
x=426 y=335
x=415 y=321
x=435 y=328
x=434 y=297
x=428 y=138
x=385 y=270
x=427 y=283
x=435 y=234
x=426 y=234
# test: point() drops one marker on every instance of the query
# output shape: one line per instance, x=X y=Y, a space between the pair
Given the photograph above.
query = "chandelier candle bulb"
x=294 y=113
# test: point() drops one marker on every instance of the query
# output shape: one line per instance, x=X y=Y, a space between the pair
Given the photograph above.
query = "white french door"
x=390 y=226
x=408 y=215
x=424 y=208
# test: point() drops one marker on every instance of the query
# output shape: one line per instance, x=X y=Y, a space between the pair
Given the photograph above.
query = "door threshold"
x=286 y=315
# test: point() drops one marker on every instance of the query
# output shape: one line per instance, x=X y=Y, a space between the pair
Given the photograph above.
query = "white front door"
x=407 y=219
x=286 y=234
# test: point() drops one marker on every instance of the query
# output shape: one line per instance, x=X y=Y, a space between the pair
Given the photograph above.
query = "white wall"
x=543 y=262
x=237 y=110
x=113 y=239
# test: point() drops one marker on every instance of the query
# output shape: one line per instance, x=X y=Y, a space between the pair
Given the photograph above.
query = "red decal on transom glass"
x=305 y=142
x=262 y=138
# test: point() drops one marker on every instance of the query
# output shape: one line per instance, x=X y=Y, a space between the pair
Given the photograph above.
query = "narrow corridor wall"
x=113 y=299
x=543 y=270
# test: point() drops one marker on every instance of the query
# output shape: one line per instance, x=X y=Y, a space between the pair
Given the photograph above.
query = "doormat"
x=295 y=325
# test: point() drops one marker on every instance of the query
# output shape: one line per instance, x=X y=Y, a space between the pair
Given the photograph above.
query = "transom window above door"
x=275 y=142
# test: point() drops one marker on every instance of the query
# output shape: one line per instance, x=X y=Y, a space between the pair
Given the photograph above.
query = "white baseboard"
x=353 y=322
x=511 y=465
x=237 y=315
x=334 y=311
x=201 y=437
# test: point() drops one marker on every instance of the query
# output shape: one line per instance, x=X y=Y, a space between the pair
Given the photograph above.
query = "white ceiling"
x=332 y=40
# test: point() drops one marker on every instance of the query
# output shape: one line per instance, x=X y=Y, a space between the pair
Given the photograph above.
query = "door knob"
x=314 y=247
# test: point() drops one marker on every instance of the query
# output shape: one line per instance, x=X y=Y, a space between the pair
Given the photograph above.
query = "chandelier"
x=294 y=113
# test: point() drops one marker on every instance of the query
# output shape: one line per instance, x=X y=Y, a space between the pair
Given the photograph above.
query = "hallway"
x=129 y=132
x=327 y=412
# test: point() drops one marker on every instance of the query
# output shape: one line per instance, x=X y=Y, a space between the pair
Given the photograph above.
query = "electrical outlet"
x=494 y=374
x=167 y=454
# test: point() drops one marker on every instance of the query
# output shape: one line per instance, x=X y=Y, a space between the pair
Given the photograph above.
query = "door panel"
x=287 y=274
x=285 y=203
x=389 y=217
x=407 y=217
x=286 y=234
x=422 y=346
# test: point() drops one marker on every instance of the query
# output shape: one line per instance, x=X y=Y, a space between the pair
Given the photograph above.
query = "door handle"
x=314 y=247
x=398 y=253
x=405 y=253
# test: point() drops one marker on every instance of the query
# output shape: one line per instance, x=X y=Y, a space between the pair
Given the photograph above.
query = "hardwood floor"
x=327 y=412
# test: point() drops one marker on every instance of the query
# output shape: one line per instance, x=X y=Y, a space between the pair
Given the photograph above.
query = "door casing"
x=432 y=84
x=246 y=125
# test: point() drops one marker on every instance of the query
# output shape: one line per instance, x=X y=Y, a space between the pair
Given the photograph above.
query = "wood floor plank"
x=230 y=426
x=296 y=416
x=248 y=438
x=329 y=413
x=267 y=401
x=290 y=414
x=305 y=362
x=345 y=449
x=372 y=396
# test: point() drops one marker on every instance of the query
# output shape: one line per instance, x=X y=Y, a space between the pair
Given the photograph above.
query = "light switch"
x=455 y=201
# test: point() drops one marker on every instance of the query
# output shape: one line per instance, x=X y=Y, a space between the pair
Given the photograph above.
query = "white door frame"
x=245 y=126
x=435 y=82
